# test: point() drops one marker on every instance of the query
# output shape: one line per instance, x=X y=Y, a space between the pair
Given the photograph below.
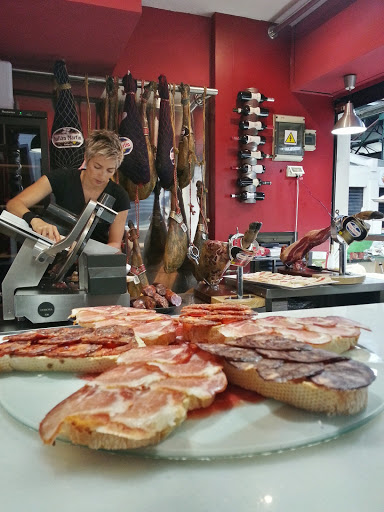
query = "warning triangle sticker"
x=290 y=139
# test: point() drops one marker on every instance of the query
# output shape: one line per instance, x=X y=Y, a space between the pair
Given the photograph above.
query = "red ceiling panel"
x=89 y=34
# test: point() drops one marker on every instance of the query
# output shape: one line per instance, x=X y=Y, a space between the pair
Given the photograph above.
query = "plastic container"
x=6 y=85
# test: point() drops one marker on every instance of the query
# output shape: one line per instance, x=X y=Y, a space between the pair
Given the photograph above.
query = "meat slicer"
x=34 y=286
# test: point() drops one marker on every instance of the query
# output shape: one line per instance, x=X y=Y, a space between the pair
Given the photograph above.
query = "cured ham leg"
x=155 y=239
x=165 y=155
x=135 y=165
x=187 y=158
x=296 y=251
x=67 y=141
x=202 y=229
x=137 y=265
x=177 y=239
x=145 y=190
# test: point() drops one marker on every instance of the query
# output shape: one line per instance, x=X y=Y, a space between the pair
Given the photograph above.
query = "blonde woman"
x=73 y=188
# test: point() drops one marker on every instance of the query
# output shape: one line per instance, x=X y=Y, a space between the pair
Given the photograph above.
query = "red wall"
x=244 y=56
x=231 y=53
x=165 y=42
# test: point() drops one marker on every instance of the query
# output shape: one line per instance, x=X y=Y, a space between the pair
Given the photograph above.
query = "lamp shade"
x=349 y=122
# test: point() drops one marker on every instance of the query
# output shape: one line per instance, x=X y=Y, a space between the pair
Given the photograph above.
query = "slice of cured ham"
x=70 y=349
x=331 y=333
x=151 y=327
x=140 y=401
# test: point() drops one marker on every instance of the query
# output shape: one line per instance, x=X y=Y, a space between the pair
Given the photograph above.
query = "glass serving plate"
x=247 y=429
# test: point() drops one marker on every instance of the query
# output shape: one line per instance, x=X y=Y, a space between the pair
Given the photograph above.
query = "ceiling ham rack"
x=101 y=80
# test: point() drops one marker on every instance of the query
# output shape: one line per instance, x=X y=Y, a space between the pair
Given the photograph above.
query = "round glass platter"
x=248 y=428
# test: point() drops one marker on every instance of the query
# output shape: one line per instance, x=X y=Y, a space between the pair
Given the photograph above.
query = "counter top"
x=344 y=474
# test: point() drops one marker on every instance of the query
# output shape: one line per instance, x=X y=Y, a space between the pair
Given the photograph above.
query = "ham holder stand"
x=34 y=287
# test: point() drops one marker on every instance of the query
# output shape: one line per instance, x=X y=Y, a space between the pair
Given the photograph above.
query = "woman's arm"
x=21 y=204
x=116 y=231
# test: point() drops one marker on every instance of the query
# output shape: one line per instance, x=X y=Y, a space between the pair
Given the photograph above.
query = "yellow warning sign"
x=290 y=137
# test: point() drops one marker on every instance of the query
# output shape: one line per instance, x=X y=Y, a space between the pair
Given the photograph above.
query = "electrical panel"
x=291 y=139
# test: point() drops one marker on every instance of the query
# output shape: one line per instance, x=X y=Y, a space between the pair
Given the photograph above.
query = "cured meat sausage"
x=161 y=301
x=172 y=297
x=149 y=302
x=67 y=141
x=160 y=288
x=165 y=155
x=149 y=290
x=145 y=190
x=139 y=303
x=135 y=165
x=187 y=157
x=296 y=251
x=176 y=245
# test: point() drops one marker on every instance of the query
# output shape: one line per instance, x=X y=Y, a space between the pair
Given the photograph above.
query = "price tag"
x=177 y=217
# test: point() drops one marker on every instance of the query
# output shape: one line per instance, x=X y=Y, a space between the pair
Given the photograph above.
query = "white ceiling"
x=266 y=10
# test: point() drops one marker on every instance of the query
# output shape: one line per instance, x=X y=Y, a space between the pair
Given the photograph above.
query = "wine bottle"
x=245 y=168
x=258 y=96
x=246 y=125
x=259 y=155
x=243 y=196
x=246 y=110
x=251 y=175
x=246 y=139
x=246 y=181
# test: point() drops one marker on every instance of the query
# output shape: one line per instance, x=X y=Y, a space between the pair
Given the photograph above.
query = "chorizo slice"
x=230 y=353
x=289 y=371
x=269 y=342
x=345 y=375
x=306 y=356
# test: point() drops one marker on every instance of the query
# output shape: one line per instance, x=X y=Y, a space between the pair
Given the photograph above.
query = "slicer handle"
x=107 y=200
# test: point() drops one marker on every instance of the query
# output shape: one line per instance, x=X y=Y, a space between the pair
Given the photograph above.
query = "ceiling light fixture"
x=349 y=123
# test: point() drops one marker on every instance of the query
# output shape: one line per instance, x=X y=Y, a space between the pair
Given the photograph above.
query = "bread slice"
x=334 y=334
x=304 y=395
x=100 y=432
x=294 y=373
x=139 y=402
x=88 y=364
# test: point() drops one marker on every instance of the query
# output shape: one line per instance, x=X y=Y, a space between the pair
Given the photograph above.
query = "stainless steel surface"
x=342 y=259
x=25 y=271
x=326 y=295
x=39 y=307
x=23 y=295
x=240 y=287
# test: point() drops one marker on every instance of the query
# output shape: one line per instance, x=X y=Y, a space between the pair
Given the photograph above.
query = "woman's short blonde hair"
x=105 y=143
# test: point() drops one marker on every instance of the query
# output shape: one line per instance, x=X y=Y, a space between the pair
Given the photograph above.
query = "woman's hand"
x=43 y=228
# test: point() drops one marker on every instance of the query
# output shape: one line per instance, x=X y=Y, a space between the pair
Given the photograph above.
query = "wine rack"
x=254 y=119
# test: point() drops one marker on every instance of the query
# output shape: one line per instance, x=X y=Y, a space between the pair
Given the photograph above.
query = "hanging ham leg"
x=137 y=265
x=135 y=165
x=145 y=190
x=187 y=157
x=154 y=244
x=177 y=238
x=165 y=155
x=67 y=141
x=201 y=234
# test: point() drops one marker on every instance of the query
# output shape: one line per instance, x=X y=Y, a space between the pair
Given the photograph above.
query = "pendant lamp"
x=349 y=123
